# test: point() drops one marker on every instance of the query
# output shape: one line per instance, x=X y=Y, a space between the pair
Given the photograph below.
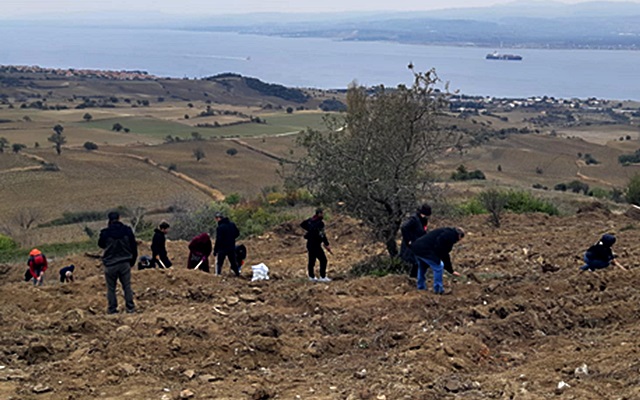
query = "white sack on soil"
x=260 y=272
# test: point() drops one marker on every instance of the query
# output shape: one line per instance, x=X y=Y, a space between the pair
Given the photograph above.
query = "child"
x=600 y=255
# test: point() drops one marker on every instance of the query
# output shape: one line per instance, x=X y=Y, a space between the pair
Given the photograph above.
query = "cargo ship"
x=498 y=56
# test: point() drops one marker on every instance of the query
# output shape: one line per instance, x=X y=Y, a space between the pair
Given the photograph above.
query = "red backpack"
x=39 y=260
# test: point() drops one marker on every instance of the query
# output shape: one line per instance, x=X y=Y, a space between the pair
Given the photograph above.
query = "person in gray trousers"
x=120 y=254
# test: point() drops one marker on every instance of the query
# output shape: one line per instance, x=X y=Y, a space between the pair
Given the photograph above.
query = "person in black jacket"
x=159 y=258
x=225 y=246
x=66 y=273
x=600 y=255
x=120 y=254
x=315 y=239
x=432 y=251
x=413 y=228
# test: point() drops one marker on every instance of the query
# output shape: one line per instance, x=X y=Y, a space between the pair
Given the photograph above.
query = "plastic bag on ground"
x=260 y=272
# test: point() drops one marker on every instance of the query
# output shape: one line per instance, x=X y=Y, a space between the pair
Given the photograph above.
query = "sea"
x=324 y=63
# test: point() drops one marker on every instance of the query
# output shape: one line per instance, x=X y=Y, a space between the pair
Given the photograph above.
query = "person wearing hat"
x=159 y=256
x=120 y=254
x=600 y=255
x=225 y=247
x=432 y=251
x=316 y=237
x=412 y=229
x=66 y=274
x=38 y=264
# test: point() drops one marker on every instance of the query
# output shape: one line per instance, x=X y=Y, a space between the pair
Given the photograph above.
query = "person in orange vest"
x=37 y=263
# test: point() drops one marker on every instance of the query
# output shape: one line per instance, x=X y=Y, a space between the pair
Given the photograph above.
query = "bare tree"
x=376 y=159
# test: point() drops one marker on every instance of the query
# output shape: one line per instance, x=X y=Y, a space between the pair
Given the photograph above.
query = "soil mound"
x=519 y=321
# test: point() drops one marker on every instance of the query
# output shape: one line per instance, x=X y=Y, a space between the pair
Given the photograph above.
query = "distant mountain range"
x=537 y=24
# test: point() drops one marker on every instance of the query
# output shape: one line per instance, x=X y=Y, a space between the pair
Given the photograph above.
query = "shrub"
x=561 y=187
x=632 y=191
x=524 y=202
x=233 y=199
x=462 y=174
x=90 y=146
x=7 y=243
x=471 y=207
x=494 y=201
x=232 y=151
x=172 y=167
x=577 y=187
x=381 y=265
x=600 y=193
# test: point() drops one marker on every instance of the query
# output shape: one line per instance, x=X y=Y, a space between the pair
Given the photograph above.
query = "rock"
x=448 y=351
x=124 y=330
x=633 y=212
x=398 y=335
x=232 y=300
x=127 y=368
x=40 y=388
x=208 y=378
x=186 y=394
x=454 y=386
x=480 y=313
x=581 y=371
x=189 y=373
x=248 y=298
x=175 y=344
x=361 y=374
x=562 y=386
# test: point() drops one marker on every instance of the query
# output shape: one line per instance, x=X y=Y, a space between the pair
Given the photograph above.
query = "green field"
x=276 y=124
x=143 y=126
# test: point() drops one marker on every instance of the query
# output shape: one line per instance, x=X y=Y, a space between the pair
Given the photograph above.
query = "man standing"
x=226 y=235
x=120 y=254
x=159 y=258
x=315 y=239
x=413 y=228
x=432 y=251
x=37 y=263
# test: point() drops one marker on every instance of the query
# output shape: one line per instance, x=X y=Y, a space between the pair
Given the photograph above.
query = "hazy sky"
x=13 y=8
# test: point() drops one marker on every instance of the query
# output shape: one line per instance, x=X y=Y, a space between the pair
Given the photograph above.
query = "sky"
x=35 y=8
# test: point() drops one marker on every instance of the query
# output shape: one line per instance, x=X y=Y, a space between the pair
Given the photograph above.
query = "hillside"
x=519 y=321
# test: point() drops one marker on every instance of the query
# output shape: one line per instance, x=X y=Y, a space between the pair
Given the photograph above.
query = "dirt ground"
x=518 y=322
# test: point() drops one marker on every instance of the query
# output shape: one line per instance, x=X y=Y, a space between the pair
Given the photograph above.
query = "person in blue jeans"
x=432 y=251
x=600 y=255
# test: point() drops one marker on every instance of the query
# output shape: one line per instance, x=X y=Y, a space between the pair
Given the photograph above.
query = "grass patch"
x=156 y=128
x=380 y=266
x=50 y=250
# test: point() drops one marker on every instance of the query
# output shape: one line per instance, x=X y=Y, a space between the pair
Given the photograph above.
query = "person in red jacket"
x=199 y=251
x=37 y=263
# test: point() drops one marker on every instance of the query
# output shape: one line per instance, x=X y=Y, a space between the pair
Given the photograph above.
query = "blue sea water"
x=323 y=63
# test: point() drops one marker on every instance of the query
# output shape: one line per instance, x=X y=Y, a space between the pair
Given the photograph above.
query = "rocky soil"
x=521 y=323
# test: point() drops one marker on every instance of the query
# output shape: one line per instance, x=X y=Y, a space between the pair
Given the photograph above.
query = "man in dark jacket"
x=225 y=247
x=315 y=239
x=432 y=251
x=159 y=258
x=413 y=228
x=600 y=255
x=120 y=254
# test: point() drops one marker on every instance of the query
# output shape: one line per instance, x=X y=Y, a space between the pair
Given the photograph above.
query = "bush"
x=381 y=265
x=600 y=193
x=561 y=187
x=232 y=151
x=233 y=199
x=471 y=207
x=577 y=187
x=632 y=191
x=7 y=243
x=524 y=202
x=90 y=146
x=494 y=201
x=462 y=174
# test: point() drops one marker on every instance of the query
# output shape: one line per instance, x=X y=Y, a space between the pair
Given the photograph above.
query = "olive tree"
x=375 y=159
